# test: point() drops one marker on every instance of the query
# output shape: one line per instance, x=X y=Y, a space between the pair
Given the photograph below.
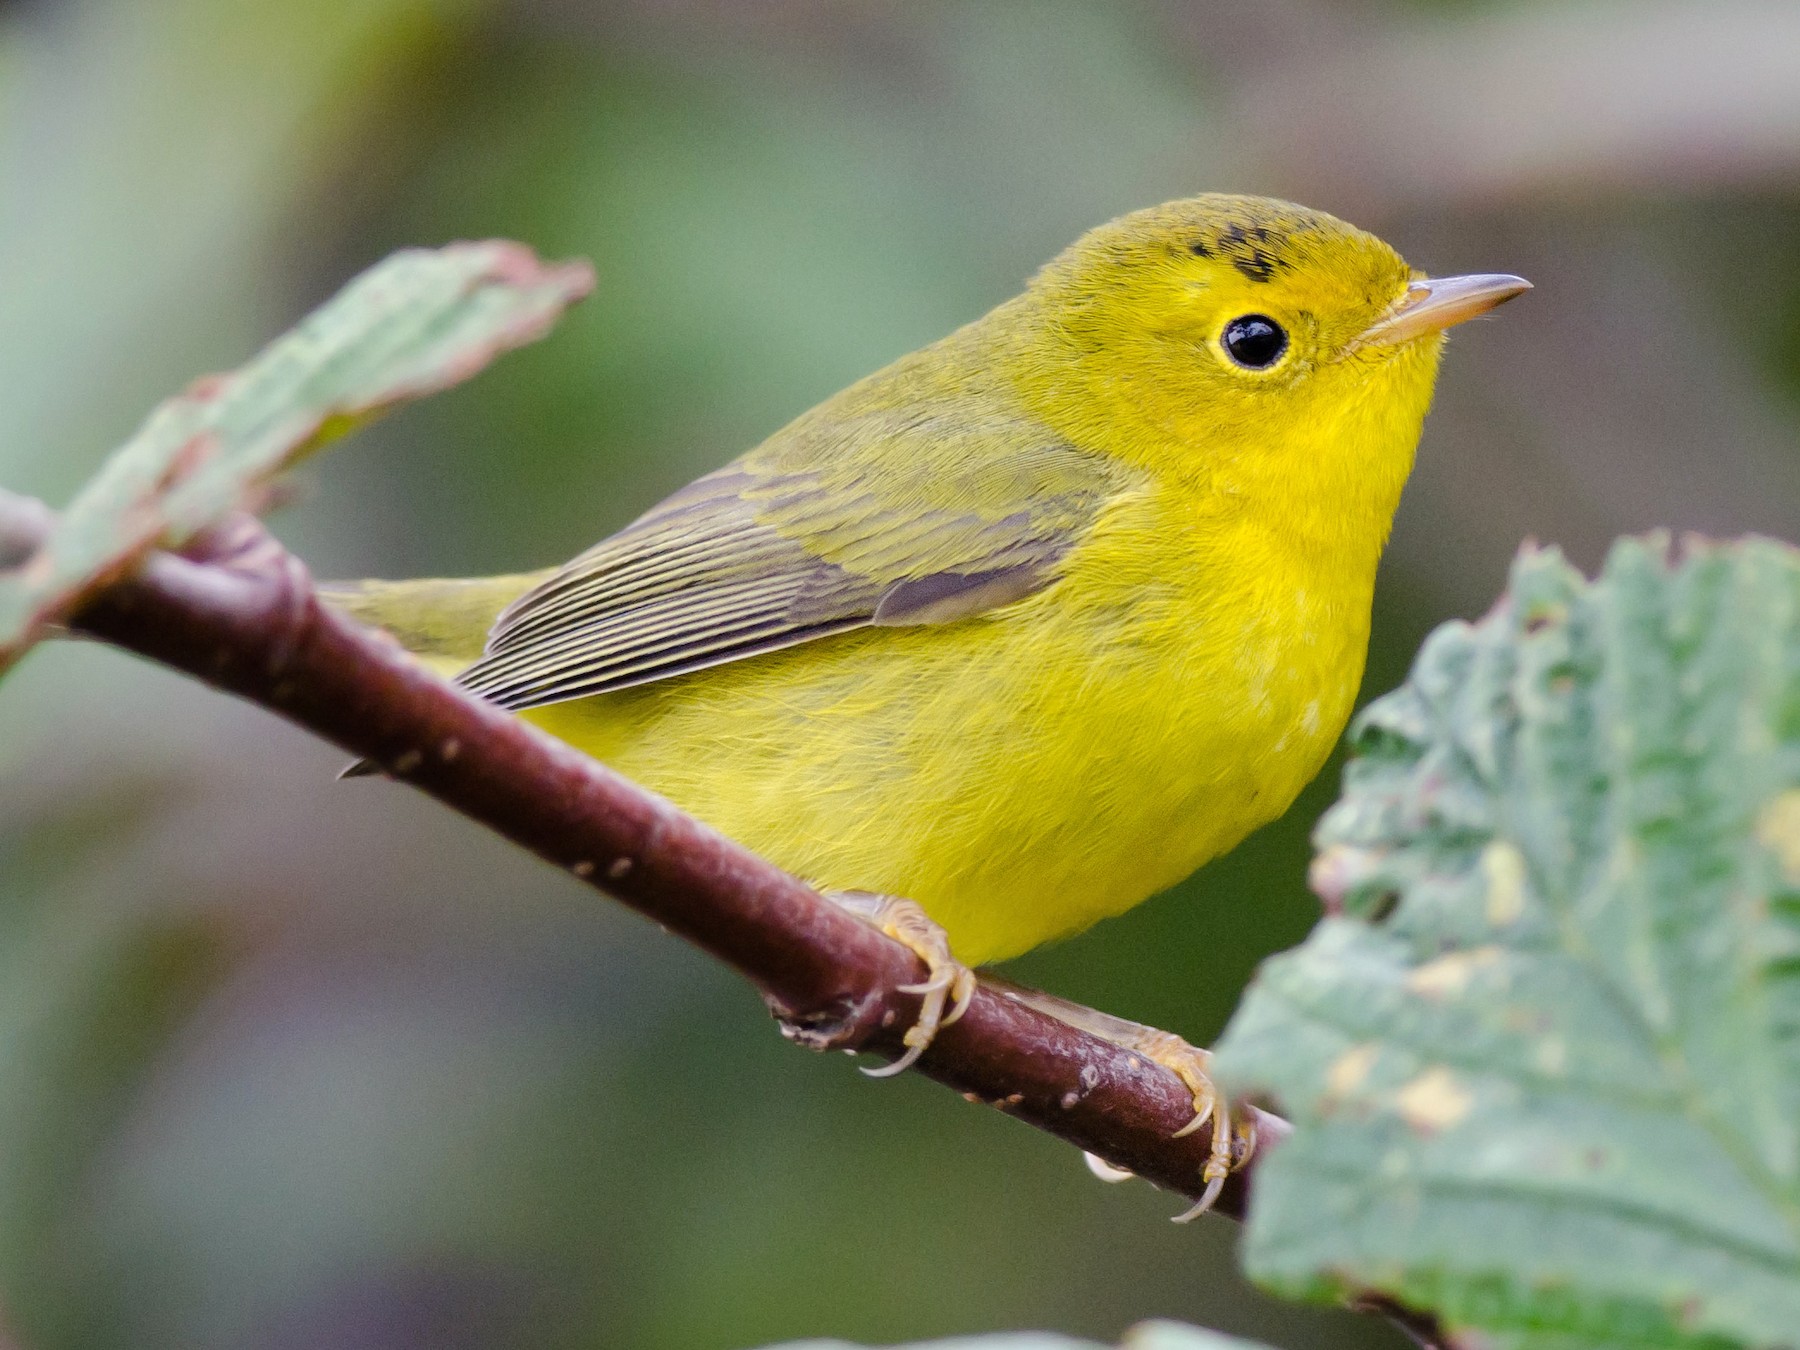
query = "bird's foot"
x=948 y=986
x=1233 y=1143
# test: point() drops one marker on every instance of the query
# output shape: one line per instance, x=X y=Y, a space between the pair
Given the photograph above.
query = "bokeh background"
x=293 y=1063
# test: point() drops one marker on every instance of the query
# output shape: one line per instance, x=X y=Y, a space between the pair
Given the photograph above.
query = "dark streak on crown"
x=1259 y=266
x=1255 y=250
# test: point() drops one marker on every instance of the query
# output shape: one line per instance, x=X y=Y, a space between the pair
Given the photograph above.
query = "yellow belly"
x=1024 y=774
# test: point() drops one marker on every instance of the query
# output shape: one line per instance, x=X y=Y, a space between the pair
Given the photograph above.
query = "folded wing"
x=889 y=519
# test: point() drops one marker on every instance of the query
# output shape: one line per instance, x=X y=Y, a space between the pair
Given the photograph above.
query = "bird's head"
x=1246 y=340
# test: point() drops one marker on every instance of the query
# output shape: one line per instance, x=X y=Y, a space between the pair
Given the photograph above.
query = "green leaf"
x=1543 y=1056
x=417 y=323
x=1144 y=1336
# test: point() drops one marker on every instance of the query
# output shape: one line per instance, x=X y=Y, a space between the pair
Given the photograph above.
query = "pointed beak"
x=1434 y=305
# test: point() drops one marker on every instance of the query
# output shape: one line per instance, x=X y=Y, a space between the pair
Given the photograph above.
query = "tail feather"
x=443 y=622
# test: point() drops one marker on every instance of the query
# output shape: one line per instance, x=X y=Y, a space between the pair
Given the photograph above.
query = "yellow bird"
x=1025 y=627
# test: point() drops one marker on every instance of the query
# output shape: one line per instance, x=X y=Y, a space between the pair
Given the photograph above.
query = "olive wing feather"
x=801 y=539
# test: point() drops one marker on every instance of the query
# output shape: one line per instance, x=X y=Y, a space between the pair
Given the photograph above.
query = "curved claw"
x=921 y=1033
x=1105 y=1171
x=965 y=986
x=1232 y=1148
x=942 y=980
x=1207 y=1199
x=1204 y=1115
x=900 y=1065
x=1248 y=1139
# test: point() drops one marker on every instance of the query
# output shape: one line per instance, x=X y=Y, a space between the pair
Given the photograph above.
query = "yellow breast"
x=1024 y=774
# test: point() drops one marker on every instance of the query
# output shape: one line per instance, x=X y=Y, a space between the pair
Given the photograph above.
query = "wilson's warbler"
x=1030 y=624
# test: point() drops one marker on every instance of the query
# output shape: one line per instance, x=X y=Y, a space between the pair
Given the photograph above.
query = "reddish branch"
x=240 y=613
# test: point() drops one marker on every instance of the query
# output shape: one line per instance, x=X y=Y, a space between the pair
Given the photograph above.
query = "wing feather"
x=619 y=638
x=804 y=538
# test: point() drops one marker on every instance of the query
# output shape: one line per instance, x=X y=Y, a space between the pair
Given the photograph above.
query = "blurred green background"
x=293 y=1063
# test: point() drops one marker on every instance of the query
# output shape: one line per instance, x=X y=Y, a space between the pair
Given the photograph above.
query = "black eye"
x=1255 y=341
